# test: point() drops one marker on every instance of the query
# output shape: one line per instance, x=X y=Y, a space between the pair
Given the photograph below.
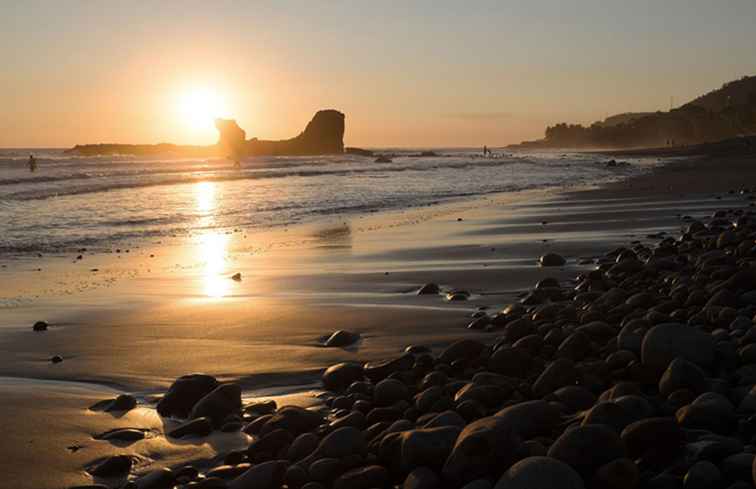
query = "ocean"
x=100 y=203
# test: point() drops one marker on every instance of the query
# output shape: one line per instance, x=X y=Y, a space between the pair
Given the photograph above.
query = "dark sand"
x=139 y=322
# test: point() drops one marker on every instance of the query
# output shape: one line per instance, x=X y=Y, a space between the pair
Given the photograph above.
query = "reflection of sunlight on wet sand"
x=212 y=245
x=212 y=249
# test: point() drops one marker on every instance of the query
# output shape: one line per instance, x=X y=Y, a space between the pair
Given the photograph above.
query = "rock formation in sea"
x=324 y=134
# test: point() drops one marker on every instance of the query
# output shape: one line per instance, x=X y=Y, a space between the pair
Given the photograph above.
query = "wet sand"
x=139 y=321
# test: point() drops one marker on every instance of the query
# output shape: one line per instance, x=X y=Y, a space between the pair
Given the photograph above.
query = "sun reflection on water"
x=205 y=195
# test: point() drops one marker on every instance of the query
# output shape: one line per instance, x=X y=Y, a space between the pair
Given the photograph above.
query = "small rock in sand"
x=341 y=338
x=40 y=326
x=551 y=260
x=429 y=289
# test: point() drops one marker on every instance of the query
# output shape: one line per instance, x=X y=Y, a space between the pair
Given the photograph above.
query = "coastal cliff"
x=324 y=134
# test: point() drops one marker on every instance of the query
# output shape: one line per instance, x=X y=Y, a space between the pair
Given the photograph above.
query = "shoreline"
x=361 y=279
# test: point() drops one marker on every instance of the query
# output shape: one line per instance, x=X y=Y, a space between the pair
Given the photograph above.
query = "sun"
x=199 y=107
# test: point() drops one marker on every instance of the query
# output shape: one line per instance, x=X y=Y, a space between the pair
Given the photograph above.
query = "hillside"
x=727 y=112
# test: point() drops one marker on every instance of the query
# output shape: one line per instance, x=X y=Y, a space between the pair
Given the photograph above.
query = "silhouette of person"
x=485 y=151
x=32 y=163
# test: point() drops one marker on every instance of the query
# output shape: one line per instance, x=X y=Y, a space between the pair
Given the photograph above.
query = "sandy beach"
x=133 y=322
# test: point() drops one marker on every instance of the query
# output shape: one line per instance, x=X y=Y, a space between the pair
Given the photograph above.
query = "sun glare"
x=199 y=107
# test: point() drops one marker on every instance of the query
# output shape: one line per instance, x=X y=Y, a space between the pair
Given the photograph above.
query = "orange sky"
x=423 y=74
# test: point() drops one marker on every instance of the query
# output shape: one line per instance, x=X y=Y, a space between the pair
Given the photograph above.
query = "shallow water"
x=104 y=202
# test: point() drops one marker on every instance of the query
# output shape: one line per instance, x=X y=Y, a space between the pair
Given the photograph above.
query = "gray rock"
x=588 y=447
x=429 y=289
x=682 y=374
x=355 y=419
x=295 y=477
x=325 y=469
x=665 y=342
x=738 y=467
x=337 y=444
x=294 y=419
x=461 y=350
x=372 y=476
x=660 y=437
x=389 y=391
x=703 y=475
x=184 y=394
x=338 y=377
x=112 y=466
x=621 y=473
x=576 y=398
x=302 y=446
x=540 y=472
x=341 y=338
x=709 y=411
x=123 y=434
x=124 y=402
x=531 y=418
x=40 y=326
x=478 y=484
x=218 y=403
x=447 y=418
x=428 y=447
x=609 y=414
x=488 y=445
x=422 y=478
x=551 y=260
x=228 y=472
x=268 y=475
x=560 y=373
x=714 y=447
x=195 y=427
x=156 y=479
x=269 y=446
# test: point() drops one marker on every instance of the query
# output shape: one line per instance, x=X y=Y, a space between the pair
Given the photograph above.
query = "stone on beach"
x=340 y=376
x=218 y=403
x=184 y=394
x=486 y=446
x=267 y=475
x=540 y=472
x=429 y=289
x=112 y=466
x=195 y=427
x=665 y=342
x=551 y=260
x=40 y=326
x=341 y=338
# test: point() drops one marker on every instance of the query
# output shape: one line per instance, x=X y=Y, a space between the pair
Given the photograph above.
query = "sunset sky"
x=435 y=73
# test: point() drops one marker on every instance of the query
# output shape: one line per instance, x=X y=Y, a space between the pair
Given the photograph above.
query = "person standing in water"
x=32 y=163
x=485 y=151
